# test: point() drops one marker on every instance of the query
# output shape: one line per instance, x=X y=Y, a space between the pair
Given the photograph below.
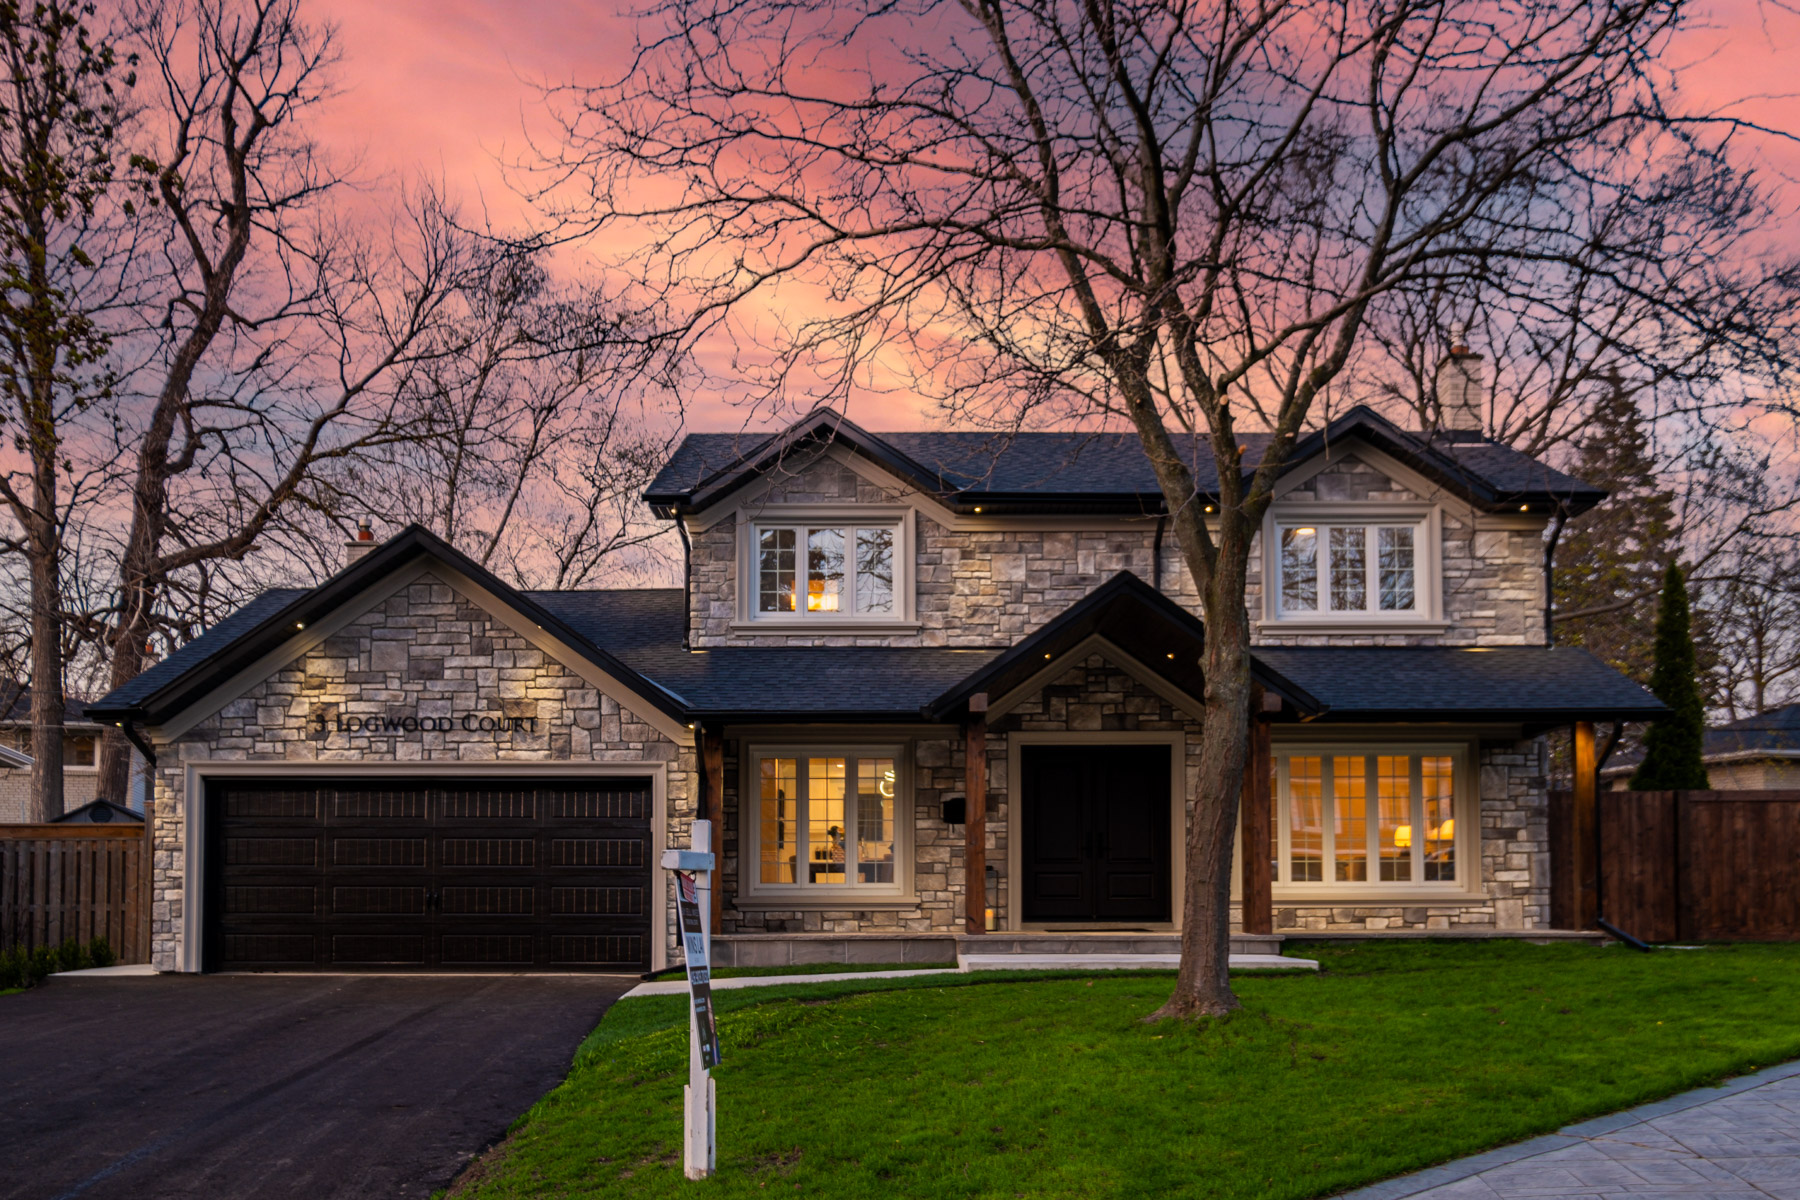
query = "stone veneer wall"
x=429 y=651
x=992 y=587
x=1515 y=861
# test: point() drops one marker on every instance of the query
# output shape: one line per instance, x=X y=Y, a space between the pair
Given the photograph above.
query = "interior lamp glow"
x=1403 y=836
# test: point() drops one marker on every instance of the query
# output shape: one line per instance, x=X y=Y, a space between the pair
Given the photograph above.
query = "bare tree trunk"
x=1203 y=985
x=46 y=668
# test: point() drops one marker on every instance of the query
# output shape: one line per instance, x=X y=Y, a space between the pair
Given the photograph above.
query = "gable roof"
x=271 y=619
x=636 y=637
x=1086 y=471
x=1135 y=617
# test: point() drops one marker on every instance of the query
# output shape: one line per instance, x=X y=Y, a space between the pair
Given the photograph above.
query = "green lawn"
x=1398 y=1056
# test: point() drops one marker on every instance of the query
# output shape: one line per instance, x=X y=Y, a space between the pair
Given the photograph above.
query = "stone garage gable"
x=428 y=673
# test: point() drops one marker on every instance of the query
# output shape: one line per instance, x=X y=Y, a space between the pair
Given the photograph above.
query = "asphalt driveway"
x=275 y=1086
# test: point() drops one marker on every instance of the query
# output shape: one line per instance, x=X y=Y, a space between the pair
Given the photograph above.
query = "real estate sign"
x=699 y=973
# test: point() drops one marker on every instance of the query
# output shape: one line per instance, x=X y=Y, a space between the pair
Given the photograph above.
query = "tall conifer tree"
x=1673 y=747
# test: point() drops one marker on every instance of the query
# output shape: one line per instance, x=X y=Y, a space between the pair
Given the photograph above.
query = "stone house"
x=926 y=685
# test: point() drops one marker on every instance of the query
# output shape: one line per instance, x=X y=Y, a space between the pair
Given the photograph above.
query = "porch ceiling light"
x=299 y=624
x=1524 y=508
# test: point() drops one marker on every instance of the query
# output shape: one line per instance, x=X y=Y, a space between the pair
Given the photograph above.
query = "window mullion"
x=803 y=819
x=1283 y=815
x=1415 y=780
x=852 y=803
x=1328 y=818
x=1372 y=817
x=1372 y=569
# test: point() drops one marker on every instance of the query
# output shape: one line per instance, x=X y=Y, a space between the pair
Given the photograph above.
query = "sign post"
x=693 y=890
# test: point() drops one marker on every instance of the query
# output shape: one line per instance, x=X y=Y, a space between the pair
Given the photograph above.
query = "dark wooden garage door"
x=429 y=875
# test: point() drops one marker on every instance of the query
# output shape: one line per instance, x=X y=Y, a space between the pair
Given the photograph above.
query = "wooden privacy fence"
x=1678 y=866
x=76 y=881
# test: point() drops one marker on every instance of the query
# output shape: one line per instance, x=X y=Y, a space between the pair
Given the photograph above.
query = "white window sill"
x=1371 y=625
x=835 y=901
x=824 y=628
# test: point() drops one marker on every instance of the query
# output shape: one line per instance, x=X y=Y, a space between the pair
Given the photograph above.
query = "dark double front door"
x=1095 y=833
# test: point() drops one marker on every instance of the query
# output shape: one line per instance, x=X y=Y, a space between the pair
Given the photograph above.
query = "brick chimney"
x=1461 y=390
x=362 y=544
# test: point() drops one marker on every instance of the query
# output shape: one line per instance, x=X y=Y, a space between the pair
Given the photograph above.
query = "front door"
x=1095 y=833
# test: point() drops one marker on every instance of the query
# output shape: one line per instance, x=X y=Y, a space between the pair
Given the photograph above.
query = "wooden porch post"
x=1257 y=892
x=1584 y=828
x=712 y=808
x=975 y=816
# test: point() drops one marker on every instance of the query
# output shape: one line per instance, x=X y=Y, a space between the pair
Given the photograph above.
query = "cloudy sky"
x=445 y=87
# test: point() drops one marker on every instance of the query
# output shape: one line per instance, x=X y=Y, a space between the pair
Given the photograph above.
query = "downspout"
x=137 y=739
x=1156 y=553
x=687 y=584
x=1556 y=529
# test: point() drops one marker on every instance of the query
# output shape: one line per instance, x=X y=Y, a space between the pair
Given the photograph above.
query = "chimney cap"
x=1459 y=339
x=364 y=532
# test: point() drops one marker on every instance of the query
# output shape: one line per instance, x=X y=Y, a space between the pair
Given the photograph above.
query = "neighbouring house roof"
x=14 y=760
x=99 y=812
x=1071 y=471
x=636 y=637
x=15 y=707
x=1771 y=735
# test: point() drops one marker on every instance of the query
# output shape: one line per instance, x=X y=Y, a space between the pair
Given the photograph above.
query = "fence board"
x=74 y=881
x=1738 y=877
x=1639 y=838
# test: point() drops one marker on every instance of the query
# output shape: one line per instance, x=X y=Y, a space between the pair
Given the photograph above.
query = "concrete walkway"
x=1737 y=1142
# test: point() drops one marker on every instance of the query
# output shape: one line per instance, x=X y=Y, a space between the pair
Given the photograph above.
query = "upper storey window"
x=1352 y=565
x=1349 y=568
x=823 y=571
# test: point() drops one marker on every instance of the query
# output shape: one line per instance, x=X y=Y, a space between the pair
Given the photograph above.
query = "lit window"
x=822 y=572
x=828 y=820
x=1377 y=820
x=1367 y=568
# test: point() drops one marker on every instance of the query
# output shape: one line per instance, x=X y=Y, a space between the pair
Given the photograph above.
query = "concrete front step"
x=1120 y=962
x=793 y=949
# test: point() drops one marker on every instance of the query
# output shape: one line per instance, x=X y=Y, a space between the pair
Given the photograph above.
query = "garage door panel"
x=402 y=876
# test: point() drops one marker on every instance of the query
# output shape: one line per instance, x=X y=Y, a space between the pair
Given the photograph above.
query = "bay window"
x=1350 y=819
x=826 y=819
x=825 y=570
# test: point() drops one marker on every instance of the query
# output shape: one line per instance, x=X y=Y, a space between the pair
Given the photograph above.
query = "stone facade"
x=992 y=586
x=427 y=651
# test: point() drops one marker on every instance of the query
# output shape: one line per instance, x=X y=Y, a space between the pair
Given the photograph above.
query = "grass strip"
x=1397 y=1056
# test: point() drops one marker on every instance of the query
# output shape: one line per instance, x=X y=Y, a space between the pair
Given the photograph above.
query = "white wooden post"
x=700 y=1153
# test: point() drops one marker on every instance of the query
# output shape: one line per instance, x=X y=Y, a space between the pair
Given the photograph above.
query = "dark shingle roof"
x=1775 y=733
x=642 y=628
x=1095 y=466
x=204 y=649
x=1525 y=683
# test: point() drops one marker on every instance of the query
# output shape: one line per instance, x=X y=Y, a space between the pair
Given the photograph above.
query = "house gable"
x=425 y=670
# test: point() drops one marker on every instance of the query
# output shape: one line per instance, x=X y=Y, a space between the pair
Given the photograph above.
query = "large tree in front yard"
x=1182 y=216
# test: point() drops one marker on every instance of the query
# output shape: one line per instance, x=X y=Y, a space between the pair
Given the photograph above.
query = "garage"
x=428 y=874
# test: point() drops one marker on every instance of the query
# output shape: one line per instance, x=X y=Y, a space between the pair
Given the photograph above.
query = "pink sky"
x=443 y=87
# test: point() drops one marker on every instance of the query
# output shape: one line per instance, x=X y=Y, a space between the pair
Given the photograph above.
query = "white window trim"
x=1465 y=808
x=753 y=893
x=905 y=613
x=1427 y=615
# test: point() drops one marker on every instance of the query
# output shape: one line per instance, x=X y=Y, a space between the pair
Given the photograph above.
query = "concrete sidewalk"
x=1736 y=1142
